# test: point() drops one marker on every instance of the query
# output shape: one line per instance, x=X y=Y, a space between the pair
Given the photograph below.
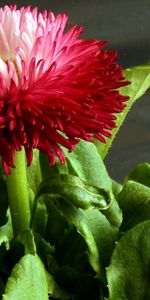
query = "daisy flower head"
x=55 y=87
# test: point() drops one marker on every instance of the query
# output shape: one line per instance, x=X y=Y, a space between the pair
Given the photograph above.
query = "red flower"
x=51 y=83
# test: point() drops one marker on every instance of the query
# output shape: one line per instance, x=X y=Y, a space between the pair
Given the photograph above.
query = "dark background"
x=126 y=25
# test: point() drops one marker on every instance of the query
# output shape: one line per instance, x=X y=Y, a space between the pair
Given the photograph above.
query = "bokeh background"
x=126 y=25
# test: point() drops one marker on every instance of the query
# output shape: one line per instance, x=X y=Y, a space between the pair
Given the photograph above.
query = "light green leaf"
x=76 y=191
x=134 y=201
x=86 y=163
x=128 y=273
x=139 y=76
x=27 y=281
x=140 y=82
x=34 y=177
x=34 y=172
x=116 y=187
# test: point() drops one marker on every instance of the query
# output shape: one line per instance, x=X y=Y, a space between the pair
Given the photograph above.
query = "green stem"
x=17 y=186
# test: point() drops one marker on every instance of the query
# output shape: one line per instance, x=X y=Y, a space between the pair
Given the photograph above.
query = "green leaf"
x=45 y=251
x=6 y=233
x=23 y=244
x=72 y=251
x=26 y=238
x=42 y=246
x=6 y=236
x=86 y=163
x=116 y=187
x=2 y=287
x=55 y=291
x=34 y=172
x=141 y=174
x=48 y=171
x=128 y=273
x=139 y=76
x=77 y=218
x=39 y=217
x=104 y=234
x=3 y=201
x=27 y=281
x=34 y=177
x=140 y=82
x=82 y=286
x=78 y=192
x=56 y=225
x=134 y=200
x=113 y=213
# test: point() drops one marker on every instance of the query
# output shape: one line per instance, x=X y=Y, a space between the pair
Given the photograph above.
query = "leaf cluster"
x=89 y=235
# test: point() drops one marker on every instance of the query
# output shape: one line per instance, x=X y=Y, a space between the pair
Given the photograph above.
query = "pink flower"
x=53 y=82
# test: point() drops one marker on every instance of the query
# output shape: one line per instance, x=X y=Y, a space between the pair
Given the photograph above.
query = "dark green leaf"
x=72 y=250
x=82 y=286
x=104 y=234
x=26 y=238
x=69 y=245
x=141 y=174
x=54 y=290
x=77 y=218
x=134 y=200
x=43 y=248
x=27 y=281
x=6 y=233
x=6 y=236
x=2 y=287
x=45 y=251
x=39 y=217
x=56 y=225
x=48 y=171
x=128 y=273
x=3 y=201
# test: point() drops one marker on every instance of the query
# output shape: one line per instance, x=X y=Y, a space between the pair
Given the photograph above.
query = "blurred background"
x=126 y=25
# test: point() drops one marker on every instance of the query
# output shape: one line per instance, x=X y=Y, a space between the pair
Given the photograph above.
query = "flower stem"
x=17 y=186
